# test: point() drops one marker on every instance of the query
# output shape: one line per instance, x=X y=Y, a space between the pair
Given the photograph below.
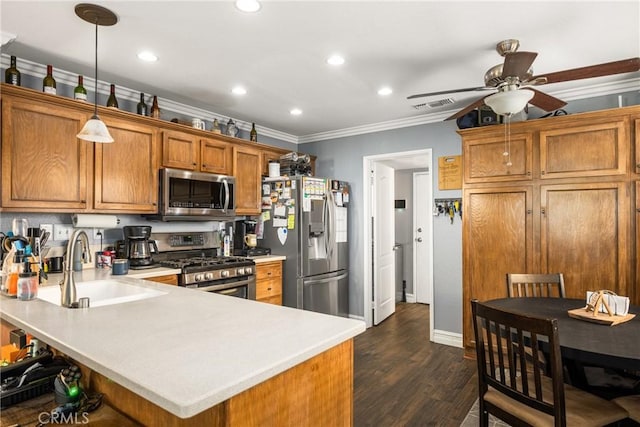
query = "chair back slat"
x=502 y=342
x=535 y=285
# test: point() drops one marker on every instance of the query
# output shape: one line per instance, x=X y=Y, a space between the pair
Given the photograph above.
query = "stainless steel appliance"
x=193 y=196
x=308 y=224
x=137 y=246
x=201 y=267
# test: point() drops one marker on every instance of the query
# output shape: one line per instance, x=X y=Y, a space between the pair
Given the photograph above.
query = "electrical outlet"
x=98 y=233
x=62 y=231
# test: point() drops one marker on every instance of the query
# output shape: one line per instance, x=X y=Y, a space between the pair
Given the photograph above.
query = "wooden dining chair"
x=514 y=389
x=535 y=285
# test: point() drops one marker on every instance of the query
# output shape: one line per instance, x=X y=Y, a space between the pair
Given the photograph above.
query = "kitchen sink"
x=102 y=292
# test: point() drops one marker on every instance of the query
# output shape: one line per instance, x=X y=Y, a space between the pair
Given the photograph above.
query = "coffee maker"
x=245 y=241
x=137 y=246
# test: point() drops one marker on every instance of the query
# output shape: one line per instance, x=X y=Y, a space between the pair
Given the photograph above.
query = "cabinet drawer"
x=276 y=300
x=268 y=287
x=269 y=270
x=169 y=279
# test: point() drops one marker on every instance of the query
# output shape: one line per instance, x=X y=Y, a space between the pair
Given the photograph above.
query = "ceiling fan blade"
x=468 y=108
x=517 y=64
x=544 y=101
x=468 y=89
x=606 y=69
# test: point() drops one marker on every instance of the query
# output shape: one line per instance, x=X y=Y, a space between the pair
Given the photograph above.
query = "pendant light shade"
x=95 y=130
x=509 y=102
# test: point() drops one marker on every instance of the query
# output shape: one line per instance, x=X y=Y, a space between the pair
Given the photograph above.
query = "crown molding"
x=38 y=70
x=583 y=92
x=35 y=69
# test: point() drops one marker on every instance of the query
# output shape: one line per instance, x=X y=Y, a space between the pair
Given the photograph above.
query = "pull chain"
x=507 y=140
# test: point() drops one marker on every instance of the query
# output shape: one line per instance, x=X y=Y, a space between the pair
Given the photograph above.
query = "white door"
x=383 y=241
x=422 y=218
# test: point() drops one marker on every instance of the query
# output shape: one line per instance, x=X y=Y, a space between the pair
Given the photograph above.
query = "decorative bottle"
x=216 y=126
x=253 y=135
x=49 y=83
x=80 y=93
x=141 y=108
x=155 y=109
x=112 y=102
x=11 y=74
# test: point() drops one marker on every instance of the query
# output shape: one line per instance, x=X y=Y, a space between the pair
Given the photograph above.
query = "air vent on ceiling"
x=434 y=104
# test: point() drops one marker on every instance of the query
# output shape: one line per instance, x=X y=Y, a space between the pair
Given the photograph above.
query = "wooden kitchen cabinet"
x=573 y=214
x=247 y=168
x=216 y=156
x=169 y=279
x=44 y=165
x=126 y=177
x=268 y=155
x=182 y=150
x=599 y=149
x=484 y=159
x=269 y=282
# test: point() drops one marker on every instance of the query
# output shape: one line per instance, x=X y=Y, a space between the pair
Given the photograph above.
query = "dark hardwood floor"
x=403 y=379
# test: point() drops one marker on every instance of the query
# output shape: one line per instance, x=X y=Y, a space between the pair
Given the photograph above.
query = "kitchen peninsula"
x=197 y=358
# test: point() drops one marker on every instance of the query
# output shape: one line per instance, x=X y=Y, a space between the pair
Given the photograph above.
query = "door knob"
x=418 y=239
x=420 y=230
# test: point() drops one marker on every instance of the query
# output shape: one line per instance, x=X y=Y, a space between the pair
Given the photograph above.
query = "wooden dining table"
x=610 y=346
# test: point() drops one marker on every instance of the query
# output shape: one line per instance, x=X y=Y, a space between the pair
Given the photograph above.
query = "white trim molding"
x=447 y=338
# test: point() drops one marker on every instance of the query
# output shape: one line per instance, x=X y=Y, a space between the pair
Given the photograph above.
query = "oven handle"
x=225 y=286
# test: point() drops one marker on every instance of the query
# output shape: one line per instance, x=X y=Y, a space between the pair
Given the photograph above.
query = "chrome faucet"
x=68 y=284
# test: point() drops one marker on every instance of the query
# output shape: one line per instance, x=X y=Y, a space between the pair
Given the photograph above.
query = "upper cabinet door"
x=216 y=156
x=180 y=150
x=485 y=159
x=126 y=177
x=247 y=168
x=44 y=165
x=588 y=150
x=266 y=157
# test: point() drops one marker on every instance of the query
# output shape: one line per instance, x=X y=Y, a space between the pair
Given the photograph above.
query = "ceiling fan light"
x=510 y=102
x=95 y=131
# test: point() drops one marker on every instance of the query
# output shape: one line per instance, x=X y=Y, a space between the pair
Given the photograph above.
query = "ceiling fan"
x=512 y=80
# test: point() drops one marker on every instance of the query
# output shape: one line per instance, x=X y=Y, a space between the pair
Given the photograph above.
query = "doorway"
x=420 y=162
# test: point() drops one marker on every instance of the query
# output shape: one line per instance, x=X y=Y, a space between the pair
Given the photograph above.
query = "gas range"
x=201 y=267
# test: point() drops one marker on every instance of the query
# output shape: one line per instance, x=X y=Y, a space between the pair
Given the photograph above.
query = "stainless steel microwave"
x=195 y=196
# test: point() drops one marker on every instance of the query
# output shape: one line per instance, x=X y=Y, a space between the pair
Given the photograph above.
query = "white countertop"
x=267 y=258
x=89 y=274
x=185 y=351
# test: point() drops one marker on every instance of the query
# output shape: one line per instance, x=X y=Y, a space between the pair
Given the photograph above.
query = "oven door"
x=243 y=288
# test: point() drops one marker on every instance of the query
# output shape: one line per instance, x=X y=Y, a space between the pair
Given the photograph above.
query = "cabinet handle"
x=153 y=204
x=83 y=201
x=528 y=173
x=204 y=166
x=529 y=211
x=194 y=164
x=543 y=211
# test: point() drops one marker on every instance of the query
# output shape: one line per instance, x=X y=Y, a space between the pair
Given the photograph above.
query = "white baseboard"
x=353 y=316
x=410 y=297
x=447 y=338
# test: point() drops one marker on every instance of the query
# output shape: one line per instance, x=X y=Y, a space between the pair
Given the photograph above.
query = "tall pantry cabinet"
x=566 y=204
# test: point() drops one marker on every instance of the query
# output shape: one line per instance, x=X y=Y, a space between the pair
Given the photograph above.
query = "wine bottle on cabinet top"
x=155 y=109
x=11 y=74
x=49 y=83
x=253 y=135
x=80 y=93
x=112 y=102
x=141 y=108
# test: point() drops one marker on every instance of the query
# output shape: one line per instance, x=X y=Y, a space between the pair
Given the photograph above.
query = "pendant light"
x=95 y=130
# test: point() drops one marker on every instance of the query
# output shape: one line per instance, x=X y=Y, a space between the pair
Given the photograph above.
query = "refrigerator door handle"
x=326 y=280
x=325 y=216
x=331 y=224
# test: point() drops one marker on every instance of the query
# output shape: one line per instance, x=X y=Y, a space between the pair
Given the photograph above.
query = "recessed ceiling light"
x=239 y=90
x=335 y=60
x=296 y=112
x=384 y=91
x=147 y=56
x=248 y=5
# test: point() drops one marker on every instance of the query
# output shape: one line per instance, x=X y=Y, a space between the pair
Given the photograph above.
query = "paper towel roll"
x=94 y=221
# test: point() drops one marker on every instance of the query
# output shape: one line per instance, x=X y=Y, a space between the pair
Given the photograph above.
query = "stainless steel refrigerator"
x=305 y=219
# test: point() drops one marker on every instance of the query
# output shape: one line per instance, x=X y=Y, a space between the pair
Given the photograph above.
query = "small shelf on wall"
x=448 y=207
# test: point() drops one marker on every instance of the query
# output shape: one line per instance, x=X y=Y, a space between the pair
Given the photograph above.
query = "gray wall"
x=342 y=158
